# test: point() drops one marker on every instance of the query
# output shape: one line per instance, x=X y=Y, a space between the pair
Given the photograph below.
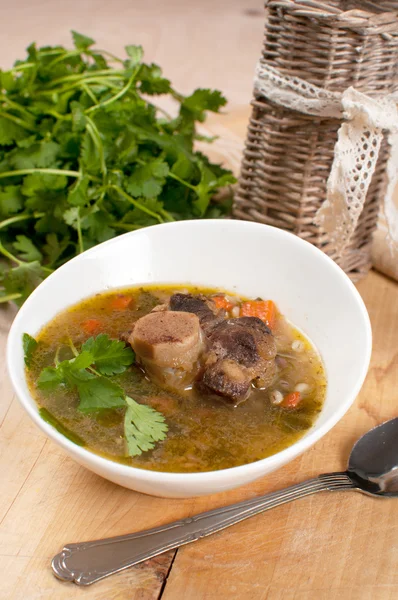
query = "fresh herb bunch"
x=90 y=374
x=85 y=155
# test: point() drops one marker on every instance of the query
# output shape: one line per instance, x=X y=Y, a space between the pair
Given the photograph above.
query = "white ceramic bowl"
x=249 y=258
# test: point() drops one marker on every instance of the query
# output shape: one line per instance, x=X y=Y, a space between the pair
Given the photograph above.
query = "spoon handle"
x=88 y=562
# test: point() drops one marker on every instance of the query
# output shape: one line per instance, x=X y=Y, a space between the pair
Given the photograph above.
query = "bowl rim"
x=151 y=476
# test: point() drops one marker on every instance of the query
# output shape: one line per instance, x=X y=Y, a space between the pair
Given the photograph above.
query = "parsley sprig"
x=85 y=154
x=89 y=372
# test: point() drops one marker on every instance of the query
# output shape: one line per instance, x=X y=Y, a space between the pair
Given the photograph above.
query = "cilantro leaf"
x=77 y=195
x=72 y=216
x=82 y=361
x=204 y=188
x=54 y=248
x=202 y=100
x=90 y=158
x=39 y=154
x=98 y=393
x=78 y=116
x=23 y=279
x=68 y=372
x=109 y=356
x=26 y=249
x=50 y=378
x=10 y=132
x=98 y=225
x=152 y=80
x=95 y=392
x=37 y=184
x=148 y=180
x=183 y=167
x=135 y=54
x=29 y=346
x=10 y=200
x=143 y=426
x=6 y=81
x=208 y=184
x=82 y=42
x=137 y=216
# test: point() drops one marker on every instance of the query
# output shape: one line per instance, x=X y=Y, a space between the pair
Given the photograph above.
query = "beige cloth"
x=384 y=254
x=364 y=122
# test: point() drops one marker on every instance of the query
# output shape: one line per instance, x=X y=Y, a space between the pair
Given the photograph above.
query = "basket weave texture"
x=288 y=155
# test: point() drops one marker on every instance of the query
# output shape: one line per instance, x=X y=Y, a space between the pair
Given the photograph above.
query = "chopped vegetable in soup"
x=173 y=379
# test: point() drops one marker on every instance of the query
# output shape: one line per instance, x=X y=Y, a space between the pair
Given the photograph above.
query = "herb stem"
x=161 y=110
x=19 y=262
x=56 y=361
x=22 y=67
x=105 y=82
x=112 y=56
x=90 y=93
x=126 y=226
x=11 y=220
x=116 y=96
x=95 y=136
x=64 y=56
x=73 y=347
x=166 y=215
x=16 y=106
x=10 y=297
x=88 y=75
x=44 y=172
x=10 y=256
x=79 y=232
x=100 y=80
x=188 y=185
x=51 y=52
x=94 y=371
x=17 y=121
x=136 y=203
x=57 y=115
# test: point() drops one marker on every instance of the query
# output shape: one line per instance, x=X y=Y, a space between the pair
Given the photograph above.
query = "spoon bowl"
x=373 y=462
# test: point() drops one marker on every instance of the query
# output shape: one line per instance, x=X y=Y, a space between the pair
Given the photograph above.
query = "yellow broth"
x=204 y=433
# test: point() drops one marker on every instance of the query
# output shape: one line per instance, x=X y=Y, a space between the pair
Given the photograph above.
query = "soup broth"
x=204 y=432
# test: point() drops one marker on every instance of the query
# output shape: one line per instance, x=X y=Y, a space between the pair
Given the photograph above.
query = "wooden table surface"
x=328 y=546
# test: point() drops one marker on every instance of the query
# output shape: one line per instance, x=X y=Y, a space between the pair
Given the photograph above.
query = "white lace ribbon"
x=357 y=148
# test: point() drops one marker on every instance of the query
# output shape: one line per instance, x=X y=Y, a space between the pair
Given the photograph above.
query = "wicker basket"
x=288 y=155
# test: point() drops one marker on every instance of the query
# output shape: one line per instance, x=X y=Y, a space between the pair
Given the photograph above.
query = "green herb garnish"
x=29 y=346
x=110 y=356
x=85 y=156
x=89 y=374
x=143 y=426
x=49 y=418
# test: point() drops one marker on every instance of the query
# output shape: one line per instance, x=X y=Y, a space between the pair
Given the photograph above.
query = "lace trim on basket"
x=365 y=121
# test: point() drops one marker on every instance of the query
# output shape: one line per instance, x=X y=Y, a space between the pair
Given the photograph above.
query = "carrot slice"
x=222 y=302
x=120 y=302
x=91 y=326
x=263 y=309
x=291 y=400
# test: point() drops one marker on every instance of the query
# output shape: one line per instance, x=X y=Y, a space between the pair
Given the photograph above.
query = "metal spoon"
x=372 y=469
